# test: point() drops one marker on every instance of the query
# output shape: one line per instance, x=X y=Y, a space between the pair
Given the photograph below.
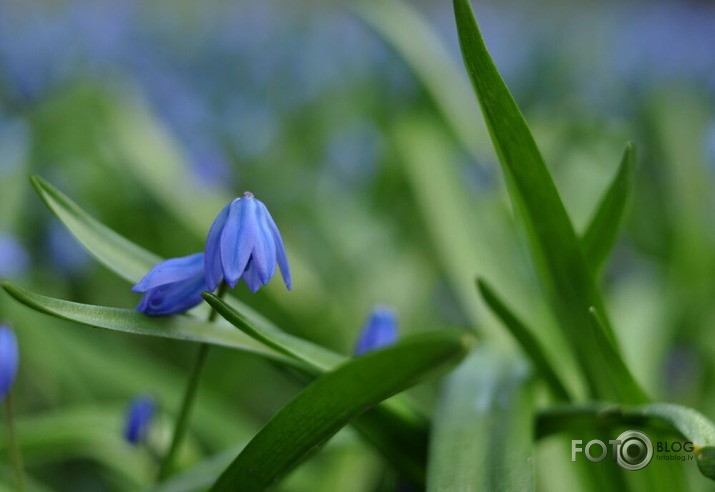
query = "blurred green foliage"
x=152 y=116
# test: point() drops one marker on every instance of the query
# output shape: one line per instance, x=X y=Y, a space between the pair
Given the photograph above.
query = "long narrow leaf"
x=310 y=354
x=618 y=381
x=120 y=255
x=482 y=432
x=394 y=427
x=688 y=423
x=129 y=321
x=602 y=230
x=333 y=400
x=526 y=339
x=557 y=252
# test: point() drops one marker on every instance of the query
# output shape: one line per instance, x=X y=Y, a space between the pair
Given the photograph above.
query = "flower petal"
x=170 y=271
x=238 y=238
x=280 y=250
x=250 y=276
x=212 y=259
x=264 y=251
x=173 y=298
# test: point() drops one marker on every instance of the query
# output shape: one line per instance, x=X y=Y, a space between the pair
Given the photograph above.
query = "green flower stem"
x=12 y=446
x=189 y=397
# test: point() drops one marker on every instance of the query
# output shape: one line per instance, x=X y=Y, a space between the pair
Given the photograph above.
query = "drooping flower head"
x=172 y=286
x=379 y=331
x=9 y=359
x=244 y=242
x=138 y=419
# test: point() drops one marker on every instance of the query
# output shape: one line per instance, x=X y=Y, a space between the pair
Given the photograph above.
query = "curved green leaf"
x=333 y=400
x=308 y=353
x=394 y=427
x=602 y=231
x=526 y=339
x=688 y=423
x=482 y=431
x=557 y=252
x=129 y=321
x=126 y=259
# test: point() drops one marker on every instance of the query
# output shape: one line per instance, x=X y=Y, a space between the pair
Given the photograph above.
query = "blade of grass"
x=130 y=321
x=557 y=252
x=529 y=343
x=600 y=235
x=333 y=400
x=388 y=427
x=618 y=381
x=309 y=354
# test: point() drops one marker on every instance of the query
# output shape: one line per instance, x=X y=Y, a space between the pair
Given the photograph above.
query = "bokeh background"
x=355 y=124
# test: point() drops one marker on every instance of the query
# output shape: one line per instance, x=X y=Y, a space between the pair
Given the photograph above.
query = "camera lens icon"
x=635 y=450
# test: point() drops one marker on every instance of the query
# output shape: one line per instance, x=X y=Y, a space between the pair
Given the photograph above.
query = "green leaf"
x=688 y=423
x=556 y=249
x=130 y=321
x=120 y=255
x=394 y=427
x=336 y=398
x=482 y=431
x=529 y=343
x=399 y=434
x=602 y=231
x=617 y=381
x=307 y=353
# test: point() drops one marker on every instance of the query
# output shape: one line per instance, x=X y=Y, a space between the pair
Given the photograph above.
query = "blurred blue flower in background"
x=172 y=286
x=9 y=359
x=63 y=249
x=14 y=259
x=138 y=419
x=244 y=242
x=379 y=331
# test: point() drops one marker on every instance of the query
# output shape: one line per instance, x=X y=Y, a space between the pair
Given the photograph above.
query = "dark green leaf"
x=394 y=427
x=688 y=423
x=602 y=230
x=336 y=398
x=556 y=249
x=526 y=339
x=482 y=431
